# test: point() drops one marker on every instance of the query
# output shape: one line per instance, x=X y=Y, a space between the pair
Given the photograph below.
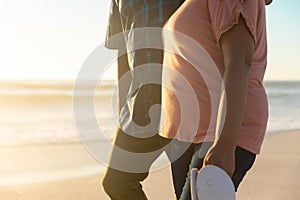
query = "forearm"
x=123 y=83
x=230 y=114
x=232 y=104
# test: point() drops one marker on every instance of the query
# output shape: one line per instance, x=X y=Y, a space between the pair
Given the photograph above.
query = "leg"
x=196 y=162
x=180 y=164
x=122 y=184
x=244 y=160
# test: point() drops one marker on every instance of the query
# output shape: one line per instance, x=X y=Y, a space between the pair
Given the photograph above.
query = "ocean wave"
x=44 y=105
x=47 y=88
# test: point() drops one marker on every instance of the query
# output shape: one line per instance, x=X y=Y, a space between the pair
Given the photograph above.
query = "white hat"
x=211 y=183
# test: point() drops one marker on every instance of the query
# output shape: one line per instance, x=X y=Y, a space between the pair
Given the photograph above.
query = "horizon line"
x=69 y=79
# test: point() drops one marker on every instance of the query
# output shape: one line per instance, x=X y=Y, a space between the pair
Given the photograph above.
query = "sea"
x=35 y=112
x=41 y=113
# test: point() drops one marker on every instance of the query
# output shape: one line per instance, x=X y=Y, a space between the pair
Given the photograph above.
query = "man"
x=123 y=176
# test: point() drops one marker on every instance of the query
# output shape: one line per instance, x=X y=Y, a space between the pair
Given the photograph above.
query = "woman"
x=233 y=34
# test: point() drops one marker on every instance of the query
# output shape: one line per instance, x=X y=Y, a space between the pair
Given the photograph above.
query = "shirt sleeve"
x=224 y=14
x=114 y=39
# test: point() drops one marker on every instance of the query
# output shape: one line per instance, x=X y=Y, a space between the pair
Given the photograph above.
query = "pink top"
x=196 y=61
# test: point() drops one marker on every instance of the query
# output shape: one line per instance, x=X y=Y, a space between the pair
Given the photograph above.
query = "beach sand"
x=275 y=176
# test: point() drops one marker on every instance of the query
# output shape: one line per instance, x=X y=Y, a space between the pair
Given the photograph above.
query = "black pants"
x=243 y=162
x=126 y=185
x=122 y=180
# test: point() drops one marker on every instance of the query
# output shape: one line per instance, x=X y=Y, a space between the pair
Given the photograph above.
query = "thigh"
x=137 y=144
x=129 y=165
x=244 y=160
x=134 y=155
x=196 y=162
x=180 y=155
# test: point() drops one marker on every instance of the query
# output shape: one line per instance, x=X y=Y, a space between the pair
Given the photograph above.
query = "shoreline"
x=274 y=176
x=77 y=141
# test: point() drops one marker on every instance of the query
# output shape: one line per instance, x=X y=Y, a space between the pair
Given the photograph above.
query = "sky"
x=50 y=39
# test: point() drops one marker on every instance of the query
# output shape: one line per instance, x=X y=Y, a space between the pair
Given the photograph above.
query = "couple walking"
x=206 y=68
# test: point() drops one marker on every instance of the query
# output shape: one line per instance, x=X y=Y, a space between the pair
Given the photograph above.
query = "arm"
x=237 y=55
x=123 y=68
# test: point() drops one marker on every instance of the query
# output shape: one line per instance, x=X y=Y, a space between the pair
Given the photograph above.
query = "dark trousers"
x=243 y=162
x=120 y=183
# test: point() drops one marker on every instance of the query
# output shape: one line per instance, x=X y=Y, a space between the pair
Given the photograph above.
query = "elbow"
x=246 y=56
x=247 y=62
x=238 y=64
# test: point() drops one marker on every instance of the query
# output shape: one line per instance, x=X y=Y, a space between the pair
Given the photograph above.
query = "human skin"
x=237 y=55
